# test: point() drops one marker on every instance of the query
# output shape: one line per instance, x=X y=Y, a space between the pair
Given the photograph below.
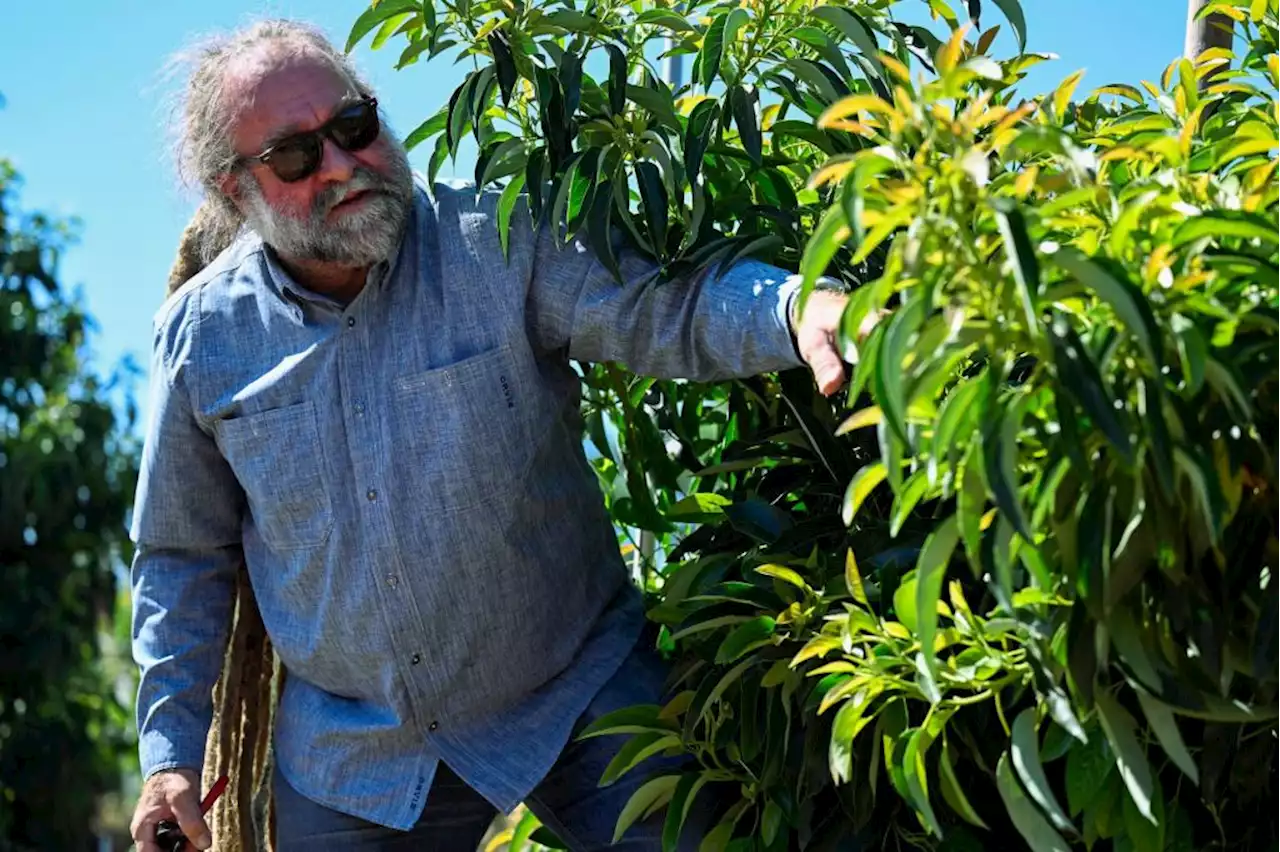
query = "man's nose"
x=336 y=165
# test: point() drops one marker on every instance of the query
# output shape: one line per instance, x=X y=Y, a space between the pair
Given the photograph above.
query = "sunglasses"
x=296 y=157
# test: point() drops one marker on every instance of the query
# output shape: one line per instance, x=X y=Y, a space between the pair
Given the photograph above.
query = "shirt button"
x=372 y=495
x=415 y=659
x=434 y=726
x=359 y=407
x=393 y=580
x=351 y=322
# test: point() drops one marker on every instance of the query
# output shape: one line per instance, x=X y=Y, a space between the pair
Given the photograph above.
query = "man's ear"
x=229 y=186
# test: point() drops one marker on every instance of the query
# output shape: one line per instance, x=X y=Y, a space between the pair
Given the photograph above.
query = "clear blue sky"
x=83 y=119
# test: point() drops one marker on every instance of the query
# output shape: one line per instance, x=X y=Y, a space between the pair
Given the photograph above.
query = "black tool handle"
x=170 y=838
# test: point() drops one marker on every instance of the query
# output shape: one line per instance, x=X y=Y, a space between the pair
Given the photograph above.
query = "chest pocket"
x=276 y=456
x=468 y=428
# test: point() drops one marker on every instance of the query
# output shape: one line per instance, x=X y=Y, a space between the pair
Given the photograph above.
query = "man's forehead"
x=271 y=95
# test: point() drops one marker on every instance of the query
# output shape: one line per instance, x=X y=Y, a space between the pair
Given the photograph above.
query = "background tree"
x=68 y=464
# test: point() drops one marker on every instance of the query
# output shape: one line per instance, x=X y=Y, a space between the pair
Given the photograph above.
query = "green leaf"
x=1026 y=269
x=638 y=719
x=617 y=79
x=427 y=129
x=853 y=28
x=636 y=750
x=1128 y=302
x=653 y=196
x=1079 y=375
x=913 y=769
x=698 y=136
x=952 y=792
x=904 y=602
x=743 y=638
x=507 y=203
x=1024 y=748
x=888 y=377
x=866 y=479
x=931 y=571
x=743 y=104
x=644 y=801
x=1033 y=827
x=504 y=62
x=853 y=578
x=1145 y=836
x=678 y=809
x=1088 y=767
x=1119 y=727
x=375 y=15
x=544 y=836
x=572 y=20
x=711 y=51
x=1013 y=13
x=1224 y=223
x=906 y=500
x=524 y=829
x=600 y=231
x=770 y=822
x=713 y=695
x=1000 y=454
x=850 y=719
x=830 y=234
x=783 y=573
x=1161 y=720
x=665 y=18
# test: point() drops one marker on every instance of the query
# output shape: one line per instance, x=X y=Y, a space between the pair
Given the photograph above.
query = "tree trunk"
x=1205 y=32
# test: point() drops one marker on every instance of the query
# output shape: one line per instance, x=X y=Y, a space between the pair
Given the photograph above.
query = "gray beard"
x=362 y=237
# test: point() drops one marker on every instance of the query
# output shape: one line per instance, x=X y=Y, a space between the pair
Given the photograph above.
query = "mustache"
x=362 y=180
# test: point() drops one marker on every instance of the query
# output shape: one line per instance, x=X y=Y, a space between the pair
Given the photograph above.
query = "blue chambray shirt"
x=405 y=479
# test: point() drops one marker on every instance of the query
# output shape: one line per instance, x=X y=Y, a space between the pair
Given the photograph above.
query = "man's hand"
x=172 y=794
x=815 y=333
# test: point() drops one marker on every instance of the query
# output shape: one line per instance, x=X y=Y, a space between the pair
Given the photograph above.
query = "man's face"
x=351 y=209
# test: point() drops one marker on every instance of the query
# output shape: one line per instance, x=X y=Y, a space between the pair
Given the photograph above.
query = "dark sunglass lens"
x=356 y=127
x=295 y=159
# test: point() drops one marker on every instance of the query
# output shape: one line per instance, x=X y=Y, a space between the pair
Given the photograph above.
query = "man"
x=366 y=403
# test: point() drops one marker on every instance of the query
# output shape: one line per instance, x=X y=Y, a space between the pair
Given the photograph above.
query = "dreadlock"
x=244 y=698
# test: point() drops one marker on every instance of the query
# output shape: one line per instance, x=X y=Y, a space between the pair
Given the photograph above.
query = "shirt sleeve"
x=187 y=526
x=706 y=327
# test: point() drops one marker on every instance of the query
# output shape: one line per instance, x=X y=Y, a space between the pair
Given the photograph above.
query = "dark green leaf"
x=745 y=637
x=617 y=79
x=1225 y=223
x=375 y=15
x=850 y=719
x=1000 y=454
x=913 y=770
x=931 y=571
x=1013 y=12
x=1033 y=827
x=1024 y=749
x=678 y=810
x=711 y=51
x=1119 y=727
x=953 y=792
x=505 y=64
x=1026 y=268
x=506 y=204
x=1080 y=376
x=1161 y=720
x=1088 y=767
x=653 y=197
x=743 y=104
x=637 y=719
x=652 y=795
x=636 y=750
x=1128 y=302
x=427 y=129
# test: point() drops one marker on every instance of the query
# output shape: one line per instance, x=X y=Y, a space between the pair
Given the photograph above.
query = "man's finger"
x=828 y=369
x=187 y=812
x=144 y=837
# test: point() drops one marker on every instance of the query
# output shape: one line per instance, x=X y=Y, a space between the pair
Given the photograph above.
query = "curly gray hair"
x=203 y=149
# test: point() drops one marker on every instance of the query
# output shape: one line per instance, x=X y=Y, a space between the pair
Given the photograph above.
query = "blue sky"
x=83 y=118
